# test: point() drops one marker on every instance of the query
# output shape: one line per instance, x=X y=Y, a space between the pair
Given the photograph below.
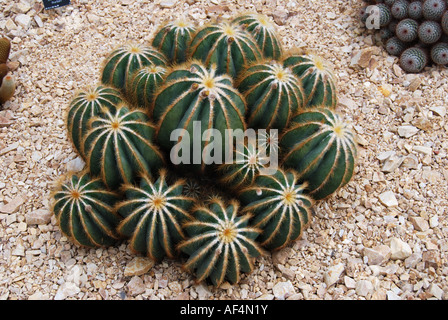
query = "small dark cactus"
x=390 y=3
x=415 y=10
x=444 y=22
x=439 y=53
x=395 y=46
x=399 y=9
x=433 y=9
x=407 y=30
x=413 y=60
x=386 y=34
x=385 y=14
x=429 y=32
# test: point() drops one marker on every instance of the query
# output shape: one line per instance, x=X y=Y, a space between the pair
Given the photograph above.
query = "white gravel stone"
x=436 y=291
x=76 y=164
x=333 y=274
x=392 y=295
x=377 y=255
x=283 y=290
x=388 y=199
x=39 y=216
x=23 y=20
x=67 y=290
x=399 y=249
x=138 y=266
x=364 y=288
x=407 y=131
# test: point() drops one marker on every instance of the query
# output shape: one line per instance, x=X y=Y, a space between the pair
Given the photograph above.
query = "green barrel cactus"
x=197 y=101
x=144 y=82
x=121 y=63
x=320 y=146
x=264 y=32
x=153 y=214
x=84 y=210
x=272 y=93
x=226 y=45
x=172 y=39
x=280 y=207
x=85 y=105
x=221 y=243
x=119 y=146
x=317 y=77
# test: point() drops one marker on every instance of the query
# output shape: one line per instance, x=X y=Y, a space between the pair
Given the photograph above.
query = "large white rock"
x=283 y=290
x=399 y=249
x=388 y=199
x=23 y=20
x=333 y=274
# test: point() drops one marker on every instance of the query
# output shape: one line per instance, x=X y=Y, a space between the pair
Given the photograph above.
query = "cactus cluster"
x=209 y=143
x=416 y=31
x=7 y=81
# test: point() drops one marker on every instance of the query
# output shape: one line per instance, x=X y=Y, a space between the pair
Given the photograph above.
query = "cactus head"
x=400 y=9
x=119 y=146
x=413 y=60
x=439 y=53
x=407 y=30
x=227 y=46
x=444 y=22
x=7 y=88
x=153 y=213
x=85 y=105
x=317 y=78
x=415 y=10
x=172 y=39
x=201 y=104
x=221 y=244
x=321 y=147
x=84 y=211
x=433 y=9
x=280 y=206
x=143 y=84
x=395 y=46
x=429 y=32
x=121 y=63
x=264 y=32
x=273 y=94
